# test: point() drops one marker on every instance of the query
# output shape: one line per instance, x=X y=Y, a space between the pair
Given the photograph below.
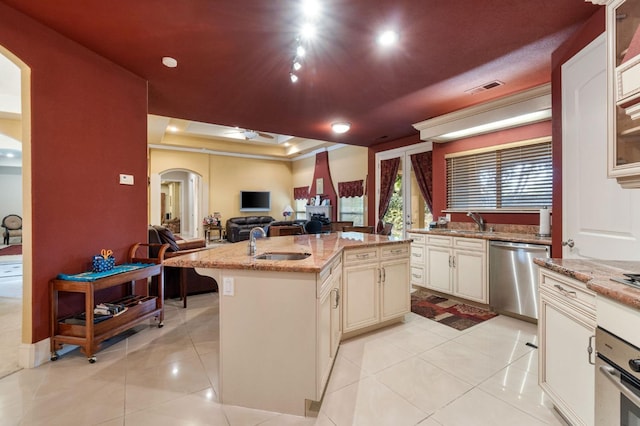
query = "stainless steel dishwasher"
x=513 y=278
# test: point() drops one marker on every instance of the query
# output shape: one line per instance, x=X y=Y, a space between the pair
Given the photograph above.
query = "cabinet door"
x=438 y=272
x=565 y=372
x=325 y=357
x=361 y=296
x=396 y=299
x=336 y=309
x=470 y=275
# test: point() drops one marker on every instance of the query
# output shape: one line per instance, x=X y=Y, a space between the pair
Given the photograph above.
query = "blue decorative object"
x=102 y=264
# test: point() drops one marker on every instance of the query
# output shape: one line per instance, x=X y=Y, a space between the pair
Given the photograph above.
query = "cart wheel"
x=161 y=324
x=54 y=356
x=92 y=359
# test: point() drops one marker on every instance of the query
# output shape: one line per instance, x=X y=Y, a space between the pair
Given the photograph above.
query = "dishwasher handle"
x=528 y=247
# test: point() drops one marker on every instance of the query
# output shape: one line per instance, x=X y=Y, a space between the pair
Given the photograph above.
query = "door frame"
x=405 y=163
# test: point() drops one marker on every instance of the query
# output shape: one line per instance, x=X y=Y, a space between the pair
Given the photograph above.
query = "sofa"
x=238 y=228
x=194 y=283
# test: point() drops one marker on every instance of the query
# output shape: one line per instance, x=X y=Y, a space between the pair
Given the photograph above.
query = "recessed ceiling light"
x=293 y=77
x=297 y=65
x=172 y=129
x=311 y=8
x=341 y=127
x=388 y=38
x=308 y=31
x=301 y=51
x=169 y=62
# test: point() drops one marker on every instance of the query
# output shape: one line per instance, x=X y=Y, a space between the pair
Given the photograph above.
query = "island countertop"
x=322 y=247
x=597 y=275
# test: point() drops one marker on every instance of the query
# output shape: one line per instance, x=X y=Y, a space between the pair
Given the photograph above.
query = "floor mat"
x=449 y=312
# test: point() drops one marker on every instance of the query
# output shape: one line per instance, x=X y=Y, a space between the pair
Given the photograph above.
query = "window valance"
x=301 y=193
x=353 y=188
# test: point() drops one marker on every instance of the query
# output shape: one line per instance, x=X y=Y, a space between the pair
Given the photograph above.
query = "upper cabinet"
x=623 y=44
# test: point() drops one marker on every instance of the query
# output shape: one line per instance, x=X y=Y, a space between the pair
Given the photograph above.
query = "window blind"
x=512 y=178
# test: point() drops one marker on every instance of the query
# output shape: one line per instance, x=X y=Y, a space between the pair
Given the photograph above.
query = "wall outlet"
x=227 y=286
x=126 y=179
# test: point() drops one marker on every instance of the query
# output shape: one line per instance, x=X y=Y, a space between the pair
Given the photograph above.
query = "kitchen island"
x=281 y=320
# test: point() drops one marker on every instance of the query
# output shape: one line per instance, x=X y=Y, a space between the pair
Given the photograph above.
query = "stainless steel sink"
x=282 y=256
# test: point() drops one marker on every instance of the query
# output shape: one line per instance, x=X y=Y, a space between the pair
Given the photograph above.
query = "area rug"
x=448 y=312
x=11 y=250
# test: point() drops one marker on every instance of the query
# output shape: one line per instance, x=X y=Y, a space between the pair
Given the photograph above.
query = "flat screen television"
x=255 y=201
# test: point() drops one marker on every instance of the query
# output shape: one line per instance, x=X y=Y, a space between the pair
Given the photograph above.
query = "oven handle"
x=614 y=377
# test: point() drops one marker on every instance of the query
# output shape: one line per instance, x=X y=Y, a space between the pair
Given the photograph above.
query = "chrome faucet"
x=477 y=219
x=252 y=239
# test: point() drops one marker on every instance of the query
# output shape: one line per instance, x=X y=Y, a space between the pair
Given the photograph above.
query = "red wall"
x=323 y=171
x=88 y=124
x=592 y=29
x=491 y=139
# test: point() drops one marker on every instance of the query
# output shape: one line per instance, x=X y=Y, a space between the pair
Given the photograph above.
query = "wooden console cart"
x=86 y=333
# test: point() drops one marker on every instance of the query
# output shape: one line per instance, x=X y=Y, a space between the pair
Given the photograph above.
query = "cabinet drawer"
x=570 y=291
x=417 y=238
x=352 y=257
x=469 y=243
x=395 y=250
x=417 y=255
x=417 y=275
x=325 y=276
x=439 y=240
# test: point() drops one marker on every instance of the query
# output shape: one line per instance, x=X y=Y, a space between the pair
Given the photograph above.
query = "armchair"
x=179 y=282
x=12 y=225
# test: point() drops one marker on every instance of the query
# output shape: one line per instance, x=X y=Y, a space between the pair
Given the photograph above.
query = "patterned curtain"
x=388 y=173
x=423 y=169
x=301 y=193
x=353 y=188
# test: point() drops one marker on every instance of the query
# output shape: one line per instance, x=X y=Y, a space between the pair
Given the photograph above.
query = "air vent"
x=484 y=87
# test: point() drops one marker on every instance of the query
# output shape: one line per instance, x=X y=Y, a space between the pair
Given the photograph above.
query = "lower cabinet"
x=457 y=266
x=376 y=285
x=566 y=353
x=328 y=321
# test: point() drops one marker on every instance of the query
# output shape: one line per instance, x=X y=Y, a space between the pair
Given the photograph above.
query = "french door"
x=407 y=208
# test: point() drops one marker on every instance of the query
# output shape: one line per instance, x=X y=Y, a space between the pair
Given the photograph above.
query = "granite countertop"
x=516 y=237
x=597 y=275
x=323 y=248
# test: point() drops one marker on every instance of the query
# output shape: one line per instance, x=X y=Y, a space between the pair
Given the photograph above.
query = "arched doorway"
x=15 y=124
x=178 y=201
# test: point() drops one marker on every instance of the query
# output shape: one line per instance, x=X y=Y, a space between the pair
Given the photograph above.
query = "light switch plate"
x=227 y=286
x=126 y=179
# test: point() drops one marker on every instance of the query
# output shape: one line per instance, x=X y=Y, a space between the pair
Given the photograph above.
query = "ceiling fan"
x=251 y=134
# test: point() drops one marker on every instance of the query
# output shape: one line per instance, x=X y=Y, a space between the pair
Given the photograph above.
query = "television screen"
x=255 y=201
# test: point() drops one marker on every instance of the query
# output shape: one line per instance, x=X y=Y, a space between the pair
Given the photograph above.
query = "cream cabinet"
x=623 y=76
x=457 y=266
x=566 y=330
x=329 y=327
x=417 y=262
x=376 y=285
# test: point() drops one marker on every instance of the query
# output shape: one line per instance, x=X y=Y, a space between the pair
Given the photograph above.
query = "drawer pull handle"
x=567 y=293
x=416 y=276
x=415 y=255
x=396 y=251
x=362 y=256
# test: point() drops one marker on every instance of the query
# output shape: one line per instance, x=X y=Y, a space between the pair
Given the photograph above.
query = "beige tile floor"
x=415 y=373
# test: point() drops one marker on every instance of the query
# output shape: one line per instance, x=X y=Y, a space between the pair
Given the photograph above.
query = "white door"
x=600 y=219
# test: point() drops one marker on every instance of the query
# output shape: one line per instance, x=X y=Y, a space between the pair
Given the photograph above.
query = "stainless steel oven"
x=617 y=398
